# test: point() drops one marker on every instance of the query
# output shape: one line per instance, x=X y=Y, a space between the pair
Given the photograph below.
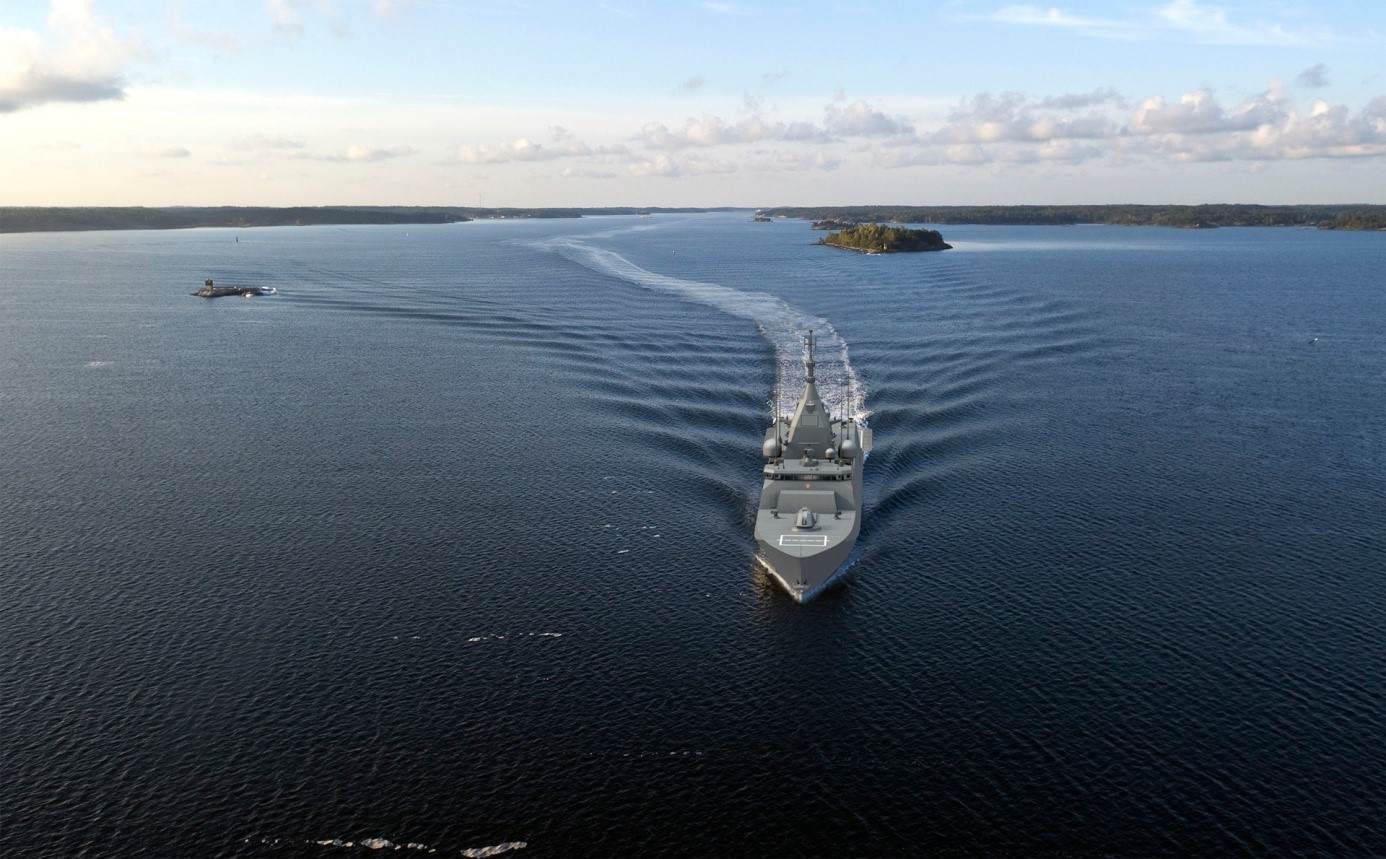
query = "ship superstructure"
x=810 y=505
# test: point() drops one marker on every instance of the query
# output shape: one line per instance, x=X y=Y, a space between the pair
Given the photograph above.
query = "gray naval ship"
x=810 y=505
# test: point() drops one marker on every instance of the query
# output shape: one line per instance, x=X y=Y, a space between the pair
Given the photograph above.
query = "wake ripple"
x=782 y=325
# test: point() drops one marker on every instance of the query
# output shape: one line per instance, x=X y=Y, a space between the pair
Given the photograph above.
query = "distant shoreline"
x=48 y=219
x=40 y=219
x=1325 y=217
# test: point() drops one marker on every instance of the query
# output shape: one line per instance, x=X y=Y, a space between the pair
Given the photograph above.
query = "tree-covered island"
x=880 y=239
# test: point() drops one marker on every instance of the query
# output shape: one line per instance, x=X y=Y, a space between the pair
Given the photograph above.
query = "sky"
x=660 y=103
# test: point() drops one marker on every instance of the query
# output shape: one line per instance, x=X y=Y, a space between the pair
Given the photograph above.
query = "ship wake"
x=782 y=325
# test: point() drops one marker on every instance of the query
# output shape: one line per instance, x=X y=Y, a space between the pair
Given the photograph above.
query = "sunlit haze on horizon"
x=509 y=103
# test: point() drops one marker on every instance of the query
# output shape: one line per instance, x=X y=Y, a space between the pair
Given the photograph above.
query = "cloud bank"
x=562 y=145
x=1014 y=128
x=858 y=119
x=83 y=61
x=1008 y=129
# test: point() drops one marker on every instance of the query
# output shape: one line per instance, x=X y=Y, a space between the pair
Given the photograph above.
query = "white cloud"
x=965 y=154
x=355 y=154
x=1052 y=17
x=708 y=131
x=86 y=64
x=663 y=165
x=563 y=145
x=1011 y=116
x=1007 y=130
x=377 y=153
x=1010 y=128
x=1324 y=131
x=522 y=149
x=1199 y=113
x=857 y=119
x=659 y=165
x=860 y=119
x=693 y=84
x=1182 y=20
x=1211 y=26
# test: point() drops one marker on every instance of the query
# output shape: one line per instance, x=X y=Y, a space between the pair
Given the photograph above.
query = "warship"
x=810 y=505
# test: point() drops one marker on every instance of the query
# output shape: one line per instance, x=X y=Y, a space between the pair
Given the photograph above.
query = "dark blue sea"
x=447 y=544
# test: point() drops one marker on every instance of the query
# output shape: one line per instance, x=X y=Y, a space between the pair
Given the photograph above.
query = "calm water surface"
x=449 y=543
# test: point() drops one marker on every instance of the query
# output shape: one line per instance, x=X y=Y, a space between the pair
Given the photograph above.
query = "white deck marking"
x=803 y=539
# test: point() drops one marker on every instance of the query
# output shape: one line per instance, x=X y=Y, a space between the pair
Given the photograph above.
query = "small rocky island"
x=208 y=290
x=880 y=239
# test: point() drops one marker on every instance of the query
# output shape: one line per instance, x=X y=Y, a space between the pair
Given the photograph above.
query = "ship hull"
x=806 y=562
x=804 y=576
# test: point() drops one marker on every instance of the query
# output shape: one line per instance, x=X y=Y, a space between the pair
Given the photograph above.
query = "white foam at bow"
x=367 y=843
x=781 y=324
x=494 y=850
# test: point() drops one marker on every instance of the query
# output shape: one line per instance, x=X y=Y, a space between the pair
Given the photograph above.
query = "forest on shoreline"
x=1329 y=217
x=37 y=219
x=26 y=219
